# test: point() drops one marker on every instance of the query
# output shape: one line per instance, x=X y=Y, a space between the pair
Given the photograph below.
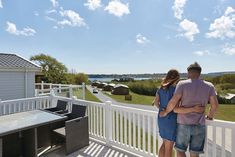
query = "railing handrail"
x=65 y=85
x=118 y=107
x=136 y=110
x=78 y=100
x=55 y=88
x=220 y=123
x=25 y=99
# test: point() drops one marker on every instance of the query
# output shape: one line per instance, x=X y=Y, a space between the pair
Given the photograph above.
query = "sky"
x=122 y=36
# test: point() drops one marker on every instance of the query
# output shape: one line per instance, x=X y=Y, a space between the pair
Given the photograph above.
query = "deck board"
x=95 y=149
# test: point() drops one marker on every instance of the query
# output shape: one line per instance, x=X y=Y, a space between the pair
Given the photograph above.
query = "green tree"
x=53 y=70
x=76 y=78
x=80 y=78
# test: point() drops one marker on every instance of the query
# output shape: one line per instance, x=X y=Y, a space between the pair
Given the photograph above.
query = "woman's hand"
x=199 y=109
x=163 y=113
x=156 y=101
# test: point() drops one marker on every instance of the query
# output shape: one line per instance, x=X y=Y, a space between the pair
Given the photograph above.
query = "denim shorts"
x=192 y=136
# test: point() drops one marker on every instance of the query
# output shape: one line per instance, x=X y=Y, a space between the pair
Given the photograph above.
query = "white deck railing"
x=26 y=104
x=46 y=88
x=130 y=128
x=220 y=139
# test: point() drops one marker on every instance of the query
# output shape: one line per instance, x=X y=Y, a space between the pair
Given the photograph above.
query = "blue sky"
x=122 y=36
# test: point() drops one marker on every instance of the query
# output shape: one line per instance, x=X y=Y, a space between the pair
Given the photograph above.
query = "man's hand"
x=209 y=118
x=199 y=109
x=163 y=113
x=214 y=105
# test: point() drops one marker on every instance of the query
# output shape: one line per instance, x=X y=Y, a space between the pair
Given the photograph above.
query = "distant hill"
x=155 y=75
x=220 y=73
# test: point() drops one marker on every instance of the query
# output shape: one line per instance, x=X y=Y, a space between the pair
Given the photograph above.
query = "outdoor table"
x=21 y=133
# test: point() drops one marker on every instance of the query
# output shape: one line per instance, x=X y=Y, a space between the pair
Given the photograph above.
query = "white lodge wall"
x=12 y=85
x=30 y=84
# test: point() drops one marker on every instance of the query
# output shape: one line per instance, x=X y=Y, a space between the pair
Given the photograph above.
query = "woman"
x=167 y=125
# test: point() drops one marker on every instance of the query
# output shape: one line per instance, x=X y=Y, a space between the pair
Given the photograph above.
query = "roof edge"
x=28 y=60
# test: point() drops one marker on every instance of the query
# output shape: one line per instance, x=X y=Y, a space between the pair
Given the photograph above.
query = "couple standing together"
x=181 y=117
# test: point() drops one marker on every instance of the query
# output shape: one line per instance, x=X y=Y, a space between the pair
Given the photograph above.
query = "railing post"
x=59 y=88
x=83 y=91
x=70 y=91
x=108 y=122
x=233 y=141
x=1 y=107
x=42 y=87
x=71 y=103
x=54 y=90
x=50 y=85
x=53 y=100
x=36 y=93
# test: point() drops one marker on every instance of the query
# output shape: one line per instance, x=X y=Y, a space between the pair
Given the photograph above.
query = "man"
x=191 y=126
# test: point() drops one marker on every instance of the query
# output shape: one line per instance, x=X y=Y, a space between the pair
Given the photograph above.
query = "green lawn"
x=88 y=96
x=136 y=98
x=226 y=112
x=91 y=97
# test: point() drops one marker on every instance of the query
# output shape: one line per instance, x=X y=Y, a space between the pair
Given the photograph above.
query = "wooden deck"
x=95 y=149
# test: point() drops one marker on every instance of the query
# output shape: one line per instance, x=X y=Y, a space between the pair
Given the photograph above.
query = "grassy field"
x=136 y=98
x=91 y=97
x=226 y=112
x=88 y=96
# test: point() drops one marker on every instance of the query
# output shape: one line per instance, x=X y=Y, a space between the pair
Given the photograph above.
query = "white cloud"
x=141 y=39
x=51 y=19
x=93 y=4
x=223 y=27
x=205 y=19
x=12 y=29
x=229 y=10
x=229 y=50
x=55 y=3
x=1 y=4
x=117 y=8
x=51 y=11
x=36 y=13
x=202 y=53
x=189 y=28
x=71 y=18
x=178 y=8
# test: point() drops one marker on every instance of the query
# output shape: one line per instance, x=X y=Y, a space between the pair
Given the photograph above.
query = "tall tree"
x=76 y=78
x=53 y=70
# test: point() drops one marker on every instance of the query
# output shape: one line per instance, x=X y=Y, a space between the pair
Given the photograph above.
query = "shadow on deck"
x=95 y=149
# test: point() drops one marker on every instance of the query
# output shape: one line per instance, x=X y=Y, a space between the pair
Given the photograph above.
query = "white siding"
x=12 y=85
x=30 y=84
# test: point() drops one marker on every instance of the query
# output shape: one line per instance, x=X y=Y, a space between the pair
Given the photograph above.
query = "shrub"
x=226 y=86
x=144 y=87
